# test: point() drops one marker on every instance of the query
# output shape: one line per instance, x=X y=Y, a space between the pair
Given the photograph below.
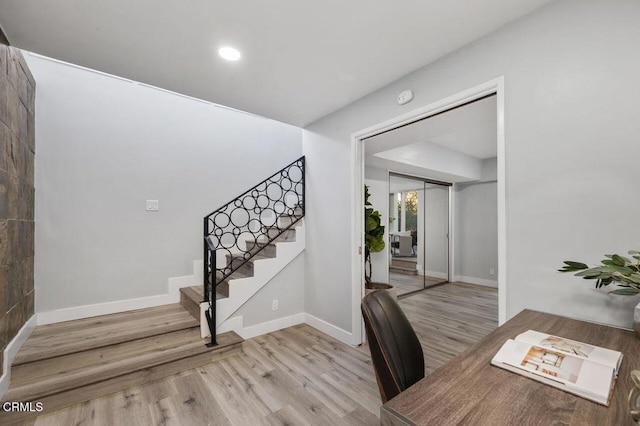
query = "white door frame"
x=357 y=153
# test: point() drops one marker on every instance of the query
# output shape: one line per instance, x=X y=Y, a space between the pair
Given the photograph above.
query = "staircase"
x=232 y=292
x=246 y=243
x=404 y=267
x=71 y=362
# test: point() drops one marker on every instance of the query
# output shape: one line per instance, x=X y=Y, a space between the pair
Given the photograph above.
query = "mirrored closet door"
x=418 y=233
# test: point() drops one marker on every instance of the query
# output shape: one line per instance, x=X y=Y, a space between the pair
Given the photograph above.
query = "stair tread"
x=94 y=373
x=235 y=276
x=259 y=255
x=261 y=242
x=53 y=340
x=196 y=293
x=31 y=371
x=404 y=271
x=402 y=268
x=404 y=263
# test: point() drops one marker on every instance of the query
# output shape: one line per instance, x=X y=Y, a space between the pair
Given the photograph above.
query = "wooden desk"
x=469 y=390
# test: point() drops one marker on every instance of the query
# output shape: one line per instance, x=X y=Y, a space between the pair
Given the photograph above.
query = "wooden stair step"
x=196 y=293
x=238 y=274
x=404 y=263
x=55 y=340
x=238 y=258
x=285 y=220
x=37 y=370
x=405 y=271
x=75 y=383
x=242 y=266
x=235 y=276
x=191 y=297
x=74 y=378
x=268 y=248
x=287 y=234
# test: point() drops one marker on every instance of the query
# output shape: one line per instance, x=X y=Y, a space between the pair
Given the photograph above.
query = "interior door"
x=435 y=253
x=418 y=233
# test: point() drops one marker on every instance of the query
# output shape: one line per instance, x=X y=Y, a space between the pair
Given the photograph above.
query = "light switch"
x=153 y=205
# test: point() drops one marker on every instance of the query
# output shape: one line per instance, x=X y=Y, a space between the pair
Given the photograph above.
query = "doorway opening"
x=493 y=88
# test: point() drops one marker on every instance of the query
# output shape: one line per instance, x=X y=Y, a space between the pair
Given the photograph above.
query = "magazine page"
x=576 y=374
x=597 y=354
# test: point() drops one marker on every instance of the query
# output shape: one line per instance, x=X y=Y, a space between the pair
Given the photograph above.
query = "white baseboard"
x=11 y=351
x=236 y=324
x=97 y=309
x=88 y=311
x=330 y=329
x=478 y=281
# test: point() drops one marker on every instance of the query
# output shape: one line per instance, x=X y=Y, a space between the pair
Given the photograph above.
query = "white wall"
x=287 y=287
x=106 y=145
x=476 y=232
x=476 y=227
x=572 y=98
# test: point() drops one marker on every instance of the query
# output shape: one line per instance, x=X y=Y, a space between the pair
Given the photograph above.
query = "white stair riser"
x=241 y=290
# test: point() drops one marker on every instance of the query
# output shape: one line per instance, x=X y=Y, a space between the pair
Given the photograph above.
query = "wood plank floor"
x=295 y=376
x=408 y=283
x=450 y=318
x=53 y=340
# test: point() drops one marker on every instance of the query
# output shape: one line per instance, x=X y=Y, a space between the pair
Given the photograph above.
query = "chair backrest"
x=396 y=352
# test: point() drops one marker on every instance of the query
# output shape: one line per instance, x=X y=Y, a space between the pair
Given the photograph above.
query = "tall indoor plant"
x=373 y=234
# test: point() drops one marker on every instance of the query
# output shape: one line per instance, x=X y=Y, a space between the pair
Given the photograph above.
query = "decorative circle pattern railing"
x=237 y=231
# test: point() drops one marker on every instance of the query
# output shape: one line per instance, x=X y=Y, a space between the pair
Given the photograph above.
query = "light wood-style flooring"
x=450 y=318
x=295 y=376
x=409 y=283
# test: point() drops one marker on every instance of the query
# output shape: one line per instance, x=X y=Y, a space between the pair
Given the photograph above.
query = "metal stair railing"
x=256 y=215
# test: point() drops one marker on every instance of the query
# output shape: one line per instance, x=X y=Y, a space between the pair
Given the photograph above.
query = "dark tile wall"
x=17 y=151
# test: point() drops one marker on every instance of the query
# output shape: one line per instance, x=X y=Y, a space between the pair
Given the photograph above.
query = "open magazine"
x=584 y=370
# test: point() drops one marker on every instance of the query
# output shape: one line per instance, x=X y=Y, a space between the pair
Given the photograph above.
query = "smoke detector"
x=405 y=97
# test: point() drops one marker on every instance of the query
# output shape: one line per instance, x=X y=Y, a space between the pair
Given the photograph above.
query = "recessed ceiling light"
x=229 y=53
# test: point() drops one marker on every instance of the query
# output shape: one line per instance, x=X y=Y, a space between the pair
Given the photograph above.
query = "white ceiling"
x=301 y=60
x=470 y=129
x=441 y=147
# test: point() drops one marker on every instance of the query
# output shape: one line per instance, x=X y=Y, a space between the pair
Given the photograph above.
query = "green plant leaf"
x=624 y=270
x=576 y=265
x=604 y=282
x=619 y=260
x=625 y=292
x=375 y=245
x=372 y=223
x=374 y=230
x=592 y=272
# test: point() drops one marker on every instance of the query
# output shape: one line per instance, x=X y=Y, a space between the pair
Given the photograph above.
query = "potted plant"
x=373 y=241
x=621 y=270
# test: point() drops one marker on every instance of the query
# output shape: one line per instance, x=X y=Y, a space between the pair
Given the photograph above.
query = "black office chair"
x=395 y=349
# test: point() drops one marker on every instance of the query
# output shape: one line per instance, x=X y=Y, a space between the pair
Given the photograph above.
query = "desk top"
x=468 y=390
